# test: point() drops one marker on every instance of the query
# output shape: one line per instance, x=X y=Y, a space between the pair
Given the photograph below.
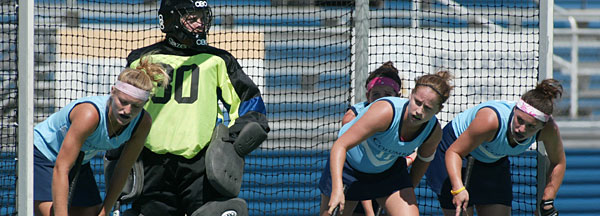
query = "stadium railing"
x=576 y=55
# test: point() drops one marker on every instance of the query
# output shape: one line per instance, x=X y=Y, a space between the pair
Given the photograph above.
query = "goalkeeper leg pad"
x=230 y=207
x=224 y=167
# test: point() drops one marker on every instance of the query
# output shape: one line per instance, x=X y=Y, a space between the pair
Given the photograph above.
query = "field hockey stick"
x=73 y=176
x=336 y=210
x=117 y=211
x=470 y=162
x=379 y=211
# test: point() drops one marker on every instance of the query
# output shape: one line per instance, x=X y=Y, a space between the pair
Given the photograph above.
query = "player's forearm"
x=118 y=179
x=418 y=171
x=555 y=178
x=453 y=166
x=558 y=163
x=115 y=187
x=337 y=159
x=60 y=188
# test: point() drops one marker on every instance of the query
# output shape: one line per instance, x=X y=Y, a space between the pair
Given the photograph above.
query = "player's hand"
x=337 y=198
x=547 y=208
x=461 y=201
x=102 y=213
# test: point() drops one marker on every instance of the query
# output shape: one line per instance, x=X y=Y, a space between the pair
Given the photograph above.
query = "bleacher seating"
x=83 y=2
x=407 y=4
x=387 y=4
x=580 y=191
x=433 y=22
x=326 y=81
x=589 y=80
x=214 y=3
x=305 y=110
x=586 y=54
x=238 y=21
x=568 y=4
x=397 y=5
x=578 y=4
x=130 y=19
x=334 y=53
x=241 y=2
x=287 y=182
x=311 y=21
x=271 y=21
x=12 y=18
x=50 y=1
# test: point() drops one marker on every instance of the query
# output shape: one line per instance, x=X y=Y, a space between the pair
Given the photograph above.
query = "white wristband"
x=426 y=159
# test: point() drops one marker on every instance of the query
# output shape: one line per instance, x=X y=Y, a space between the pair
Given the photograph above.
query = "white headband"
x=132 y=90
x=532 y=111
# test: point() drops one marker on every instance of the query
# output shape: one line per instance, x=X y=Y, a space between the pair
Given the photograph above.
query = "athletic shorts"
x=490 y=183
x=86 y=190
x=366 y=186
x=436 y=173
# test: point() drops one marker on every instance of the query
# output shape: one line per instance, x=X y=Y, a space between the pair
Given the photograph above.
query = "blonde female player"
x=90 y=125
x=368 y=156
x=490 y=132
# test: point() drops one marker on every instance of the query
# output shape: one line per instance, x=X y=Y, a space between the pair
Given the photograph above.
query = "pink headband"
x=532 y=111
x=132 y=90
x=383 y=81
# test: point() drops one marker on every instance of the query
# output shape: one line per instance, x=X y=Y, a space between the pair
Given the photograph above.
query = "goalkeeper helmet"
x=187 y=21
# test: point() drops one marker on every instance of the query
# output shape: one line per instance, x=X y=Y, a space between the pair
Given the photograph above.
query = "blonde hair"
x=145 y=75
x=439 y=82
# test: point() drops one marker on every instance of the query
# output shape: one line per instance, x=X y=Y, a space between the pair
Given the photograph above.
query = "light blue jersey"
x=356 y=108
x=380 y=151
x=489 y=152
x=49 y=134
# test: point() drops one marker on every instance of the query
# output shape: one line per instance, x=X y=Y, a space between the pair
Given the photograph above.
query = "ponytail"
x=145 y=75
x=542 y=97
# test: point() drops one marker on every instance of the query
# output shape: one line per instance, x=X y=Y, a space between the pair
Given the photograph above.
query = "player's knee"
x=230 y=207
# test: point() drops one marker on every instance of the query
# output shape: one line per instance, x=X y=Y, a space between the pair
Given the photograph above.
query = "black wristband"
x=548 y=202
x=549 y=212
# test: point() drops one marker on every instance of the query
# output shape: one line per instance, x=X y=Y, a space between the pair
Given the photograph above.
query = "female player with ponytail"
x=91 y=125
x=490 y=132
x=368 y=157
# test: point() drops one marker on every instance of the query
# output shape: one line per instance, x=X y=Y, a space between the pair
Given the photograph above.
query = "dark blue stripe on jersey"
x=254 y=104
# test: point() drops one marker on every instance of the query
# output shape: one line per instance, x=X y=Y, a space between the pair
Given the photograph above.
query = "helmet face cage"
x=203 y=13
x=172 y=17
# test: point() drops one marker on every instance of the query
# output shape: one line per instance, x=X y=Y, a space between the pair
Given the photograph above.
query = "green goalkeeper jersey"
x=185 y=112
